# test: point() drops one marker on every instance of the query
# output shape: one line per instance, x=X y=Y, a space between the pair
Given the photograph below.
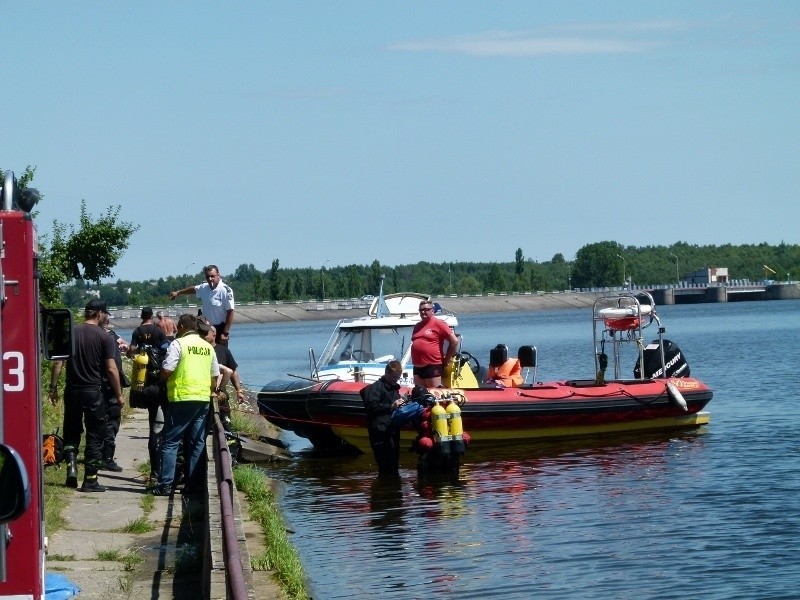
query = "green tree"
x=96 y=247
x=598 y=265
x=274 y=280
x=538 y=279
x=496 y=279
x=375 y=274
x=467 y=285
x=89 y=253
x=259 y=291
x=519 y=260
x=244 y=273
x=73 y=295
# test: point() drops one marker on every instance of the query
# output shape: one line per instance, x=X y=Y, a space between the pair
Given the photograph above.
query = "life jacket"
x=52 y=449
x=509 y=373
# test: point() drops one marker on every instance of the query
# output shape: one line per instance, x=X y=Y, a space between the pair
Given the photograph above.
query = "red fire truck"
x=27 y=331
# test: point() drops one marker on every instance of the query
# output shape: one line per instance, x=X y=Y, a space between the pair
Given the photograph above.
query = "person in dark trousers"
x=228 y=373
x=154 y=394
x=228 y=370
x=113 y=408
x=380 y=399
x=84 y=399
x=190 y=370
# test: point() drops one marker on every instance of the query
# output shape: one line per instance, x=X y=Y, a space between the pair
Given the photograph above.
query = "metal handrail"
x=231 y=555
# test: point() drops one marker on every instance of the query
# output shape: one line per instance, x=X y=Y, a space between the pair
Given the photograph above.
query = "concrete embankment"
x=128 y=317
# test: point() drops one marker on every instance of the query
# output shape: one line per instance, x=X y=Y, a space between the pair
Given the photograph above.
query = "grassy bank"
x=56 y=495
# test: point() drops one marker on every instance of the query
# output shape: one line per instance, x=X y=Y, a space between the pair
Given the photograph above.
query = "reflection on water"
x=385 y=505
x=497 y=529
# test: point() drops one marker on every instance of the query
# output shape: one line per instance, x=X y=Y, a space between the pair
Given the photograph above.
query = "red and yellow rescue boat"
x=330 y=412
x=661 y=396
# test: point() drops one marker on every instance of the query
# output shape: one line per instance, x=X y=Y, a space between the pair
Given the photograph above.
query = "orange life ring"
x=625 y=317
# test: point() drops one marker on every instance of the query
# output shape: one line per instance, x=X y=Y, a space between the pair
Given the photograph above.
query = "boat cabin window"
x=366 y=345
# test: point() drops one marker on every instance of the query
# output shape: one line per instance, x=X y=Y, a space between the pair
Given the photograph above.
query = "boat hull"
x=328 y=412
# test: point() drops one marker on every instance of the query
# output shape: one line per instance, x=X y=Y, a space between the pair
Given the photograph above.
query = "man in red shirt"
x=427 y=347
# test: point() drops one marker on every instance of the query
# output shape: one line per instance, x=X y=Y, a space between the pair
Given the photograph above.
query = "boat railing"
x=634 y=313
x=313 y=364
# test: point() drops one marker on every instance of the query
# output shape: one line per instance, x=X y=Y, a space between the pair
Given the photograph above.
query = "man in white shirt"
x=217 y=298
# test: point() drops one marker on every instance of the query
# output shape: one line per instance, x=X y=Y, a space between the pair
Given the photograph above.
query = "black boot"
x=90 y=484
x=110 y=465
x=154 y=447
x=72 y=469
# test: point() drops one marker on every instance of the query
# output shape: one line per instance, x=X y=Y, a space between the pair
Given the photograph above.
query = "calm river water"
x=712 y=513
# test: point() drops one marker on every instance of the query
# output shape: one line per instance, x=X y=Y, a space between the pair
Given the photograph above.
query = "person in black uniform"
x=113 y=408
x=84 y=399
x=228 y=372
x=148 y=333
x=154 y=394
x=380 y=399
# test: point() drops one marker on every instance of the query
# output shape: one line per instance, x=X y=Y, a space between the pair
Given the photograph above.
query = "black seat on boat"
x=527 y=356
x=527 y=359
x=498 y=355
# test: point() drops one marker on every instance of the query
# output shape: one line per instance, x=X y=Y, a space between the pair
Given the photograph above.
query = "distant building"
x=707 y=276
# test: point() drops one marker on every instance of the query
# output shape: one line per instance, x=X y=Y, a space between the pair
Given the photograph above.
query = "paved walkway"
x=112 y=547
x=95 y=552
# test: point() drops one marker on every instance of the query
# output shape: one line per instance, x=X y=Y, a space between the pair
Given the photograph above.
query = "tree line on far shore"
x=73 y=262
x=602 y=264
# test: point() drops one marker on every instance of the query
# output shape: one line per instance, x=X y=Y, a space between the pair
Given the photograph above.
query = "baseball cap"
x=147 y=312
x=203 y=326
x=97 y=305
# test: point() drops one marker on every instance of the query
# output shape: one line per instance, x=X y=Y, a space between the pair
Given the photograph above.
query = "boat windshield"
x=367 y=345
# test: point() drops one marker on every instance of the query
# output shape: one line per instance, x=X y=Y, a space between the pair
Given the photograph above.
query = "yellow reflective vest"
x=191 y=379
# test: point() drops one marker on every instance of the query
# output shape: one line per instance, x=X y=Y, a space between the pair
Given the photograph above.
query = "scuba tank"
x=439 y=427
x=139 y=373
x=455 y=427
x=439 y=420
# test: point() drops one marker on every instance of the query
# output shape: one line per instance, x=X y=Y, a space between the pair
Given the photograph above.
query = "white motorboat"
x=359 y=348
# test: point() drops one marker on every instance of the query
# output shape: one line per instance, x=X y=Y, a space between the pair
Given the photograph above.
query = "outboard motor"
x=675 y=361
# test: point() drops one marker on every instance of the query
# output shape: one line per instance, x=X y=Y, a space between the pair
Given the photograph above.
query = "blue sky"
x=335 y=133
